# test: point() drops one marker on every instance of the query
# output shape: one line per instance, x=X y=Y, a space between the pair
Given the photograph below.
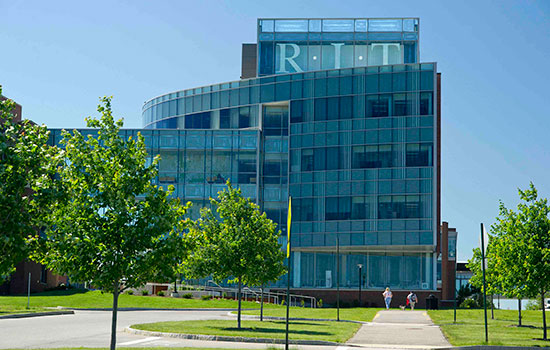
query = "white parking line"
x=139 y=341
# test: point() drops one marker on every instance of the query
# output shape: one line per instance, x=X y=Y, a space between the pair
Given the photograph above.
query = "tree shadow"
x=60 y=292
x=276 y=331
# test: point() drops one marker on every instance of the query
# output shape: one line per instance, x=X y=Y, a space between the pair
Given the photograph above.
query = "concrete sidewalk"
x=400 y=329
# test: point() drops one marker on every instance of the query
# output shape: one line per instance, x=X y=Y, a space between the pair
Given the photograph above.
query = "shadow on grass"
x=56 y=293
x=276 y=331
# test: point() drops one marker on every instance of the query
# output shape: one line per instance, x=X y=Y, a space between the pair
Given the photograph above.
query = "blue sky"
x=58 y=57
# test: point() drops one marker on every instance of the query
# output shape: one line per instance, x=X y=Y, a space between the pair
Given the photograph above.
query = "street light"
x=360 y=266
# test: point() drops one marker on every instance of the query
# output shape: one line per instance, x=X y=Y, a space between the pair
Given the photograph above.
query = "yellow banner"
x=288 y=222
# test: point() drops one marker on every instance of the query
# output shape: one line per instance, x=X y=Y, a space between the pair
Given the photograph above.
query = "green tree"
x=112 y=226
x=237 y=242
x=522 y=248
x=27 y=165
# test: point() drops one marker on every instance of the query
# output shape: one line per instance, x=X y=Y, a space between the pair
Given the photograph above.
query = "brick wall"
x=369 y=298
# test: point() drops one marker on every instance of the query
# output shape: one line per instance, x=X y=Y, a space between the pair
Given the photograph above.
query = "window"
x=332 y=108
x=307 y=159
x=338 y=208
x=426 y=107
x=197 y=121
x=244 y=117
x=378 y=105
x=419 y=154
x=319 y=157
x=399 y=207
x=400 y=105
x=225 y=119
x=320 y=109
x=358 y=208
x=296 y=111
x=43 y=274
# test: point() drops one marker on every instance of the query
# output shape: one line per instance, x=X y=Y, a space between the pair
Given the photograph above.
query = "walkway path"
x=400 y=329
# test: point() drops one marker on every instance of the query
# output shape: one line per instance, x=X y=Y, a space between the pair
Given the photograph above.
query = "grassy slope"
x=470 y=329
x=303 y=330
x=96 y=299
x=352 y=314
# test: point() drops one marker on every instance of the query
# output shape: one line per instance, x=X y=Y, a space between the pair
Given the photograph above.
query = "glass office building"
x=340 y=115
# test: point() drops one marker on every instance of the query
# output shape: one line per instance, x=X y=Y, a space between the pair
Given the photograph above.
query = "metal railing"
x=212 y=288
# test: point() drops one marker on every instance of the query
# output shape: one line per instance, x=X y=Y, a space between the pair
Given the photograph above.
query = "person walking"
x=412 y=299
x=387 y=297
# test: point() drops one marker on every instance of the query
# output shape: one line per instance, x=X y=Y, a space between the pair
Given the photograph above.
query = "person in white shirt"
x=387 y=297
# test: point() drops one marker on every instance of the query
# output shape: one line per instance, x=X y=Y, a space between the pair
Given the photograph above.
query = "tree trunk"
x=262 y=303
x=114 y=313
x=239 y=312
x=543 y=316
x=519 y=312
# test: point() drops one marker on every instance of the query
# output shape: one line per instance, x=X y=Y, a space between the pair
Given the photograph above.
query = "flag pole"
x=288 y=223
x=484 y=284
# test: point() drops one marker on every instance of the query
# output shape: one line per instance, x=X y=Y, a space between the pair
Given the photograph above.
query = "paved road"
x=400 y=329
x=92 y=329
x=390 y=329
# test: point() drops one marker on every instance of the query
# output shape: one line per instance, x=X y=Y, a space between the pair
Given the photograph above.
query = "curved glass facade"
x=355 y=148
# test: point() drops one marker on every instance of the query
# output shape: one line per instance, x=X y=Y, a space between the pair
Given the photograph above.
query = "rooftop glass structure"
x=299 y=45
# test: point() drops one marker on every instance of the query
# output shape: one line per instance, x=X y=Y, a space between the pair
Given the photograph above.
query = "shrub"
x=533 y=305
x=144 y=292
x=302 y=303
x=187 y=296
x=469 y=304
x=130 y=292
x=206 y=297
x=224 y=295
x=320 y=303
x=160 y=293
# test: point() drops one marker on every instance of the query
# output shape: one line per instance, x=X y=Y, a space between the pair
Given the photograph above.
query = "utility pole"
x=484 y=284
x=360 y=267
x=337 y=278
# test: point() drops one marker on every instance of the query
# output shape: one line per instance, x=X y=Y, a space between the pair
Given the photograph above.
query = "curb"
x=493 y=347
x=227 y=338
x=38 y=314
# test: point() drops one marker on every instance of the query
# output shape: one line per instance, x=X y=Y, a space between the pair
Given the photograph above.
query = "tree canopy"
x=27 y=166
x=236 y=241
x=112 y=226
x=519 y=250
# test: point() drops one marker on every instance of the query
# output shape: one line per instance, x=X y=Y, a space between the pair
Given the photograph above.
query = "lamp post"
x=360 y=266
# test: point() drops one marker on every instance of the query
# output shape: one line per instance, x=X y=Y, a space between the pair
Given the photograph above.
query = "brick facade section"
x=18 y=282
x=438 y=169
x=448 y=273
x=249 y=61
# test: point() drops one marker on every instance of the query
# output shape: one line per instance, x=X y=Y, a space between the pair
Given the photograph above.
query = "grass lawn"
x=351 y=314
x=298 y=330
x=96 y=299
x=10 y=310
x=123 y=348
x=470 y=329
